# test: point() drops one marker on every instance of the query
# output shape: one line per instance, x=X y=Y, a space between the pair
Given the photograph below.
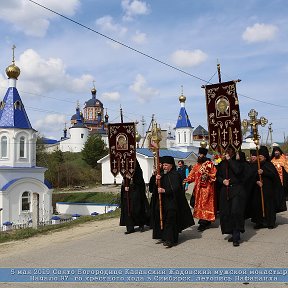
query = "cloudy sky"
x=140 y=53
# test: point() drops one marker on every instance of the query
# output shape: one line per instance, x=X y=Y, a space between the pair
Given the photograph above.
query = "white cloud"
x=50 y=123
x=259 y=33
x=39 y=75
x=32 y=19
x=133 y=8
x=107 y=24
x=186 y=58
x=139 y=38
x=112 y=96
x=142 y=91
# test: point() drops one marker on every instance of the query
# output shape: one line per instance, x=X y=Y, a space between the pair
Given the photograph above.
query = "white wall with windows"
x=77 y=140
x=16 y=198
x=18 y=147
x=184 y=136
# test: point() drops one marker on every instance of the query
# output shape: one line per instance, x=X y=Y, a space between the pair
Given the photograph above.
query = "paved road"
x=105 y=245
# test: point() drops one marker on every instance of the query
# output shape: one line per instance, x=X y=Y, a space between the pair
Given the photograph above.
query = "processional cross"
x=254 y=123
x=154 y=142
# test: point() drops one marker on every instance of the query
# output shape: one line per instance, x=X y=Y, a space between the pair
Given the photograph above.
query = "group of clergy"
x=235 y=188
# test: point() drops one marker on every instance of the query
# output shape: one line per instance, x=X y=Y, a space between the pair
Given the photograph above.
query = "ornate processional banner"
x=122 y=148
x=223 y=114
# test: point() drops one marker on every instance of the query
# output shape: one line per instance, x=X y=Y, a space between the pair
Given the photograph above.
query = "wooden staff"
x=260 y=179
x=158 y=186
x=155 y=139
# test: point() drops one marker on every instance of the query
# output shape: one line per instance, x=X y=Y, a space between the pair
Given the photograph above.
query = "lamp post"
x=254 y=123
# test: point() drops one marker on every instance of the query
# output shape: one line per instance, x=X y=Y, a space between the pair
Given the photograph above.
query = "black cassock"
x=232 y=198
x=176 y=212
x=273 y=194
x=134 y=203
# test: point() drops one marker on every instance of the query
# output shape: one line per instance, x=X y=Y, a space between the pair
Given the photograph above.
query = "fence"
x=29 y=224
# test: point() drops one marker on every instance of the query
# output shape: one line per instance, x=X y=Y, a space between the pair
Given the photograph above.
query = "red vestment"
x=279 y=163
x=204 y=176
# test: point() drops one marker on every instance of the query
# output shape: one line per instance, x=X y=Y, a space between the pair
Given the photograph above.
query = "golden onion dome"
x=93 y=90
x=138 y=137
x=203 y=144
x=13 y=71
x=182 y=98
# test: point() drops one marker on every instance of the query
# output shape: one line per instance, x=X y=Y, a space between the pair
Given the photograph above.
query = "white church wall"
x=13 y=212
x=8 y=174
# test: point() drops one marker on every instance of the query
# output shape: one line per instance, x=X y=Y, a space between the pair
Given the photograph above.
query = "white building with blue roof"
x=183 y=129
x=24 y=194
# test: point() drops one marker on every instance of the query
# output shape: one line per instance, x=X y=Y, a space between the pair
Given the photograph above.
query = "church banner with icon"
x=122 y=148
x=223 y=114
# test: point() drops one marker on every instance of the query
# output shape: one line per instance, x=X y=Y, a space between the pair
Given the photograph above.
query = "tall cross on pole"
x=254 y=123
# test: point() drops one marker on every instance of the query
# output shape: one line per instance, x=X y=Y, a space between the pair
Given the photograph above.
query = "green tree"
x=41 y=154
x=94 y=149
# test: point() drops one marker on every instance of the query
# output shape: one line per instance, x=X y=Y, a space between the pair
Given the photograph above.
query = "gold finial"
x=203 y=144
x=182 y=98
x=12 y=71
x=93 y=90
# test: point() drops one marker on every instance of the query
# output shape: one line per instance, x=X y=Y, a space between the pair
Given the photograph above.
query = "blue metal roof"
x=183 y=119
x=93 y=102
x=79 y=118
x=8 y=184
x=48 y=141
x=164 y=152
x=12 y=111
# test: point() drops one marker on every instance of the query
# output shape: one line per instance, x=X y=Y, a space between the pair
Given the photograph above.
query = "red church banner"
x=122 y=148
x=223 y=114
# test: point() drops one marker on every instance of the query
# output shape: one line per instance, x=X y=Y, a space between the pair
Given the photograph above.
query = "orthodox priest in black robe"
x=134 y=203
x=176 y=212
x=273 y=193
x=250 y=183
x=232 y=196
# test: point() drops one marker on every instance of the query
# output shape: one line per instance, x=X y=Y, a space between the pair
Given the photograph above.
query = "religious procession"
x=234 y=189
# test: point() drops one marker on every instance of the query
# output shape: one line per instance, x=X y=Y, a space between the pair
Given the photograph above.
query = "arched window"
x=179 y=138
x=4 y=147
x=22 y=147
x=25 y=201
x=185 y=139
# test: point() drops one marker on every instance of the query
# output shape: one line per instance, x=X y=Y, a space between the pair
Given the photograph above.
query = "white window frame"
x=26 y=198
x=2 y=147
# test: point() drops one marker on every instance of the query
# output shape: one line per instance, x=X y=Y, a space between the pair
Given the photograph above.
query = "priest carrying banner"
x=225 y=137
x=122 y=149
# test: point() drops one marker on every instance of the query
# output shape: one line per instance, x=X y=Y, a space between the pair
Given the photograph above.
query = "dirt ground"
x=11 y=249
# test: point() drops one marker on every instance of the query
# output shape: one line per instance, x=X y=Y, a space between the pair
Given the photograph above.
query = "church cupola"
x=17 y=137
x=182 y=99
x=106 y=117
x=183 y=129
x=13 y=71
